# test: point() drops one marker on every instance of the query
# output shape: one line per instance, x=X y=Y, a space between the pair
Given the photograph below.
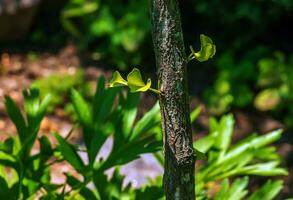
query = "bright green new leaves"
x=117 y=80
x=134 y=82
x=207 y=50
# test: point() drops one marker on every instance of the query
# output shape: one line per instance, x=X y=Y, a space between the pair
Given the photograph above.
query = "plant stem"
x=171 y=63
x=154 y=90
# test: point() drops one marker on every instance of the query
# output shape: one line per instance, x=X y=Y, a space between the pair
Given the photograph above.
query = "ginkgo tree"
x=134 y=79
x=171 y=62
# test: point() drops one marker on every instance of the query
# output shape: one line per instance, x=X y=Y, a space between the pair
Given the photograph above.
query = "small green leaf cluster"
x=134 y=82
x=207 y=50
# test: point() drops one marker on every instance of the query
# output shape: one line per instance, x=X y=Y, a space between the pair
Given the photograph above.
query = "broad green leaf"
x=199 y=155
x=254 y=142
x=237 y=189
x=223 y=191
x=135 y=82
x=35 y=110
x=228 y=168
x=102 y=184
x=81 y=108
x=225 y=132
x=207 y=49
x=7 y=146
x=213 y=125
x=104 y=108
x=150 y=192
x=129 y=112
x=264 y=169
x=15 y=115
x=45 y=146
x=268 y=191
x=117 y=80
x=4 y=189
x=43 y=107
x=113 y=189
x=267 y=153
x=7 y=160
x=194 y=114
x=31 y=102
x=147 y=122
x=205 y=143
x=78 y=185
x=267 y=138
x=69 y=153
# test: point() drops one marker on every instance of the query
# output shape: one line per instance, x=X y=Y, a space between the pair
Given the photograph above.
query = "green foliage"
x=119 y=27
x=102 y=119
x=238 y=190
x=275 y=86
x=59 y=87
x=207 y=50
x=99 y=121
x=250 y=156
x=271 y=87
x=134 y=82
x=28 y=173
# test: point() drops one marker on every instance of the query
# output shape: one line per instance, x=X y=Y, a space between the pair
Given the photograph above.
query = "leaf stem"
x=154 y=90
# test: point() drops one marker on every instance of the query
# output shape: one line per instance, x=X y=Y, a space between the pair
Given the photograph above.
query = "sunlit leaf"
x=136 y=83
x=69 y=153
x=237 y=189
x=16 y=117
x=117 y=80
x=221 y=194
x=225 y=132
x=147 y=122
x=205 y=143
x=264 y=169
x=83 y=190
x=81 y=108
x=207 y=49
x=268 y=191
x=194 y=114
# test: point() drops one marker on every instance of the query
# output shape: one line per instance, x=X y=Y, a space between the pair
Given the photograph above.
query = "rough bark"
x=171 y=65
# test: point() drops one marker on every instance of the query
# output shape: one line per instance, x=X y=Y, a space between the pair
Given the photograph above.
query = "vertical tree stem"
x=171 y=65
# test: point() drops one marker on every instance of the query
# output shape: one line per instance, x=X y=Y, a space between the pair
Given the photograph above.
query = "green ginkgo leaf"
x=207 y=49
x=117 y=80
x=135 y=82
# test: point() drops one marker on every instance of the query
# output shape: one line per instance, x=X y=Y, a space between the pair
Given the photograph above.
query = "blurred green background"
x=251 y=71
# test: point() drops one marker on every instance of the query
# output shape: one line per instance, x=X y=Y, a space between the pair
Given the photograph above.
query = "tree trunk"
x=171 y=65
